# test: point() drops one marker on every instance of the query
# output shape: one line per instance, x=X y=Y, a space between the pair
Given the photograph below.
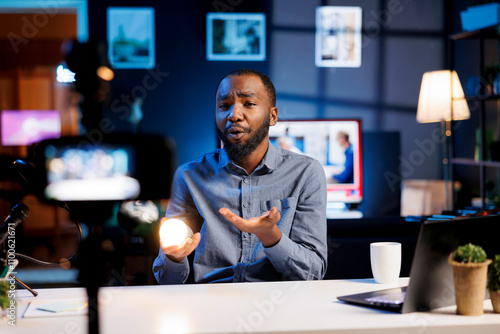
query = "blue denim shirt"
x=294 y=183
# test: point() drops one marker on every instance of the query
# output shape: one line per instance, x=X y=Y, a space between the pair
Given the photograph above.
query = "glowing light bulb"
x=174 y=232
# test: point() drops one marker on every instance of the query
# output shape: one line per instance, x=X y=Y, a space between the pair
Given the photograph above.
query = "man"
x=258 y=211
x=347 y=175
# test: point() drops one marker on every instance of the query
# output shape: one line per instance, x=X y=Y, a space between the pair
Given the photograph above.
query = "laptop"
x=431 y=278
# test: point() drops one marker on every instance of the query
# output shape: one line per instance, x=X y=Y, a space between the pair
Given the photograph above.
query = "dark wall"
x=349 y=244
x=182 y=104
x=401 y=40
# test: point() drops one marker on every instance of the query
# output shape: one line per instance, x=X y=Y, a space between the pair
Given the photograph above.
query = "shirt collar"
x=270 y=160
x=223 y=158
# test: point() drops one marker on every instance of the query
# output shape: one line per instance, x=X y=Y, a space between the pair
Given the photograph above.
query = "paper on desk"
x=56 y=308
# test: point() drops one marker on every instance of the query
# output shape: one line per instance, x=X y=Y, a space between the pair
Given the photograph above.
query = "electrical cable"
x=71 y=258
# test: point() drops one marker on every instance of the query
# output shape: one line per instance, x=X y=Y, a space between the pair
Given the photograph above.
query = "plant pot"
x=495 y=300
x=470 y=286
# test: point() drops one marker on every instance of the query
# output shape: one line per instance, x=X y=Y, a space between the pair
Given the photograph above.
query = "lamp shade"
x=441 y=98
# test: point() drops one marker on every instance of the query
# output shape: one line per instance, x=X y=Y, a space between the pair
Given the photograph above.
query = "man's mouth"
x=236 y=133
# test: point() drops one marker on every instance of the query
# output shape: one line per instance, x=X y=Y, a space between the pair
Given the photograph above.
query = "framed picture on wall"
x=131 y=37
x=338 y=36
x=236 y=36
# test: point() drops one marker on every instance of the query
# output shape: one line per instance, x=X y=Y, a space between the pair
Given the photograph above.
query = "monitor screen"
x=83 y=173
x=336 y=144
x=115 y=167
x=25 y=127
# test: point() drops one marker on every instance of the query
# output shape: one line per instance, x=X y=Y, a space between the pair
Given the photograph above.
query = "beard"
x=238 y=151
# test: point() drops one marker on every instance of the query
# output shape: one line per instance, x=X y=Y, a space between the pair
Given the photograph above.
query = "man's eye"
x=249 y=104
x=223 y=106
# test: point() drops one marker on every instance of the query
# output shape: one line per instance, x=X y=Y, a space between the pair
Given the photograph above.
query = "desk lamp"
x=442 y=100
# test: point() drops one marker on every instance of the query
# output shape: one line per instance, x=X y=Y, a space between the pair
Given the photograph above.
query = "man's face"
x=341 y=140
x=243 y=115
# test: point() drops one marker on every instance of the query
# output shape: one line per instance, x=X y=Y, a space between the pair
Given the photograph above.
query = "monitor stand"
x=336 y=210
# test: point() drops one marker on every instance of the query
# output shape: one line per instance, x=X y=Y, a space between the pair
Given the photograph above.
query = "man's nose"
x=235 y=114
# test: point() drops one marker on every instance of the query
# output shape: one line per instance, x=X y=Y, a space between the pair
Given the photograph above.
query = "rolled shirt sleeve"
x=170 y=272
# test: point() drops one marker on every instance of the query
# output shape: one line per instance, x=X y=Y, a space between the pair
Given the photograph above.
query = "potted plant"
x=4 y=299
x=494 y=283
x=470 y=269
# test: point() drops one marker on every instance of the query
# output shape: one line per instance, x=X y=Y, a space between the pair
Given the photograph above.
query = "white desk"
x=285 y=307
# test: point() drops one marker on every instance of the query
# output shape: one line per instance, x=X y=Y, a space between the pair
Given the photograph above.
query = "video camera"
x=118 y=167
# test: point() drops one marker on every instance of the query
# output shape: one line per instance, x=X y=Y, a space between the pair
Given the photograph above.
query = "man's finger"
x=231 y=216
x=196 y=241
x=265 y=214
x=274 y=212
x=169 y=249
x=184 y=249
x=272 y=215
x=186 y=243
x=226 y=212
x=234 y=219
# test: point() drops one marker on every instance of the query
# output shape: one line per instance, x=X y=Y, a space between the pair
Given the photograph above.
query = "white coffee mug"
x=385 y=258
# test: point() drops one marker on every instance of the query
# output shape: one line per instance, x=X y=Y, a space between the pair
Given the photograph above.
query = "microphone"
x=17 y=215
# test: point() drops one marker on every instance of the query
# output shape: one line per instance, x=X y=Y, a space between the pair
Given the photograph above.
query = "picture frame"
x=131 y=37
x=338 y=36
x=236 y=36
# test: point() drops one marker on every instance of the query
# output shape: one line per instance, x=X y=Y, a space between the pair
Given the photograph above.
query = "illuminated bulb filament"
x=174 y=232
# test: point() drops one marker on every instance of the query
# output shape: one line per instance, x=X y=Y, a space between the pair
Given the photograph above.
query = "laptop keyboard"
x=393 y=299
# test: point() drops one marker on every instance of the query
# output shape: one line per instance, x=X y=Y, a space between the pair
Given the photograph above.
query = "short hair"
x=268 y=84
x=343 y=134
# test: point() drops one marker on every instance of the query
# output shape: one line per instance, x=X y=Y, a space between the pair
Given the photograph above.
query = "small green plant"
x=469 y=254
x=4 y=299
x=494 y=275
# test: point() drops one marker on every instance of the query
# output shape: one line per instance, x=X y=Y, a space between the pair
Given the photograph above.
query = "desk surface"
x=286 y=307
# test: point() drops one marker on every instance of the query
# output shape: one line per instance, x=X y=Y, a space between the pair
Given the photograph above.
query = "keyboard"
x=392 y=299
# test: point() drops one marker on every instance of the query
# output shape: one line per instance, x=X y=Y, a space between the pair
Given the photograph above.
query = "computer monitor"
x=25 y=127
x=336 y=144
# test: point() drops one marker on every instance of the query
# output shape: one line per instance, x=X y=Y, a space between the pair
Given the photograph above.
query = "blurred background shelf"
x=472 y=162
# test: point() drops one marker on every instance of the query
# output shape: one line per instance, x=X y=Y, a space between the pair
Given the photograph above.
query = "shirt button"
x=245 y=205
x=245 y=181
x=246 y=235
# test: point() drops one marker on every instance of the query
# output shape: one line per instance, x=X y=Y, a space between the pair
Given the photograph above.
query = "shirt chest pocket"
x=286 y=208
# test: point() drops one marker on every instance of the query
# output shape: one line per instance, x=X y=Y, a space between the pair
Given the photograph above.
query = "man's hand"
x=264 y=226
x=178 y=253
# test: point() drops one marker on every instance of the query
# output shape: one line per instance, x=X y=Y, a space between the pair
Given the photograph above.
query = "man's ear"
x=273 y=116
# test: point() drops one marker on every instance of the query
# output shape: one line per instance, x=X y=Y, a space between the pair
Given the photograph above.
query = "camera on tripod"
x=119 y=167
